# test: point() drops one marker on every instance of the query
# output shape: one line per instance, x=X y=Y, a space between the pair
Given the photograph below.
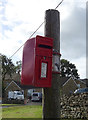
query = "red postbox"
x=37 y=62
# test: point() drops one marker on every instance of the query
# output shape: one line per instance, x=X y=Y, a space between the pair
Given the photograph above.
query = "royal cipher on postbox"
x=37 y=62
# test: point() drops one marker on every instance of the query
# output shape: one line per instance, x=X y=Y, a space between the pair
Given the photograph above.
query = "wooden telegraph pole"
x=87 y=43
x=51 y=101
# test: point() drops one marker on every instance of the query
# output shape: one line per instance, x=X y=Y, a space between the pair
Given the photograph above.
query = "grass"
x=22 y=112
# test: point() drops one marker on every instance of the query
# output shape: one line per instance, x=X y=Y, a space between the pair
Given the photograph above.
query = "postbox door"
x=43 y=71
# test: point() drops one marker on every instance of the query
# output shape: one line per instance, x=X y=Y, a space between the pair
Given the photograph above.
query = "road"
x=34 y=103
x=29 y=103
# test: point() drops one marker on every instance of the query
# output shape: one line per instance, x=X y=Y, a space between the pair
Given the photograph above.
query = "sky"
x=20 y=18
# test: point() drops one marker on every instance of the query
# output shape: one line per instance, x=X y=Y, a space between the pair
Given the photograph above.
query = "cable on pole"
x=34 y=32
x=24 y=43
x=58 y=4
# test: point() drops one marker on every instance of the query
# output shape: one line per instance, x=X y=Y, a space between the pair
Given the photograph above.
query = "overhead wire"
x=58 y=4
x=24 y=43
x=33 y=32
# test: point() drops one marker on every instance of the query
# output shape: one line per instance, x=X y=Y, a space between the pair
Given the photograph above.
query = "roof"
x=84 y=80
x=71 y=78
x=24 y=86
x=19 y=85
x=75 y=81
x=14 y=83
x=63 y=80
x=15 y=77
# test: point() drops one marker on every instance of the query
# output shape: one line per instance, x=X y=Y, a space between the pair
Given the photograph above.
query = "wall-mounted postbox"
x=37 y=62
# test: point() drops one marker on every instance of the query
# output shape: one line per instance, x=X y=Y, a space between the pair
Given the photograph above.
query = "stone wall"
x=75 y=106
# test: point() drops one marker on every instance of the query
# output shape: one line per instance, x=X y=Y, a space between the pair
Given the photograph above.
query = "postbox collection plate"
x=43 y=70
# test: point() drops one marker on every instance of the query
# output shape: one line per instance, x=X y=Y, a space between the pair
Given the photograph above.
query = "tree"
x=0 y=76
x=18 y=67
x=7 y=67
x=68 y=69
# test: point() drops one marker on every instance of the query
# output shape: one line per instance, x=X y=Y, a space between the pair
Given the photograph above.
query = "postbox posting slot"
x=44 y=46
